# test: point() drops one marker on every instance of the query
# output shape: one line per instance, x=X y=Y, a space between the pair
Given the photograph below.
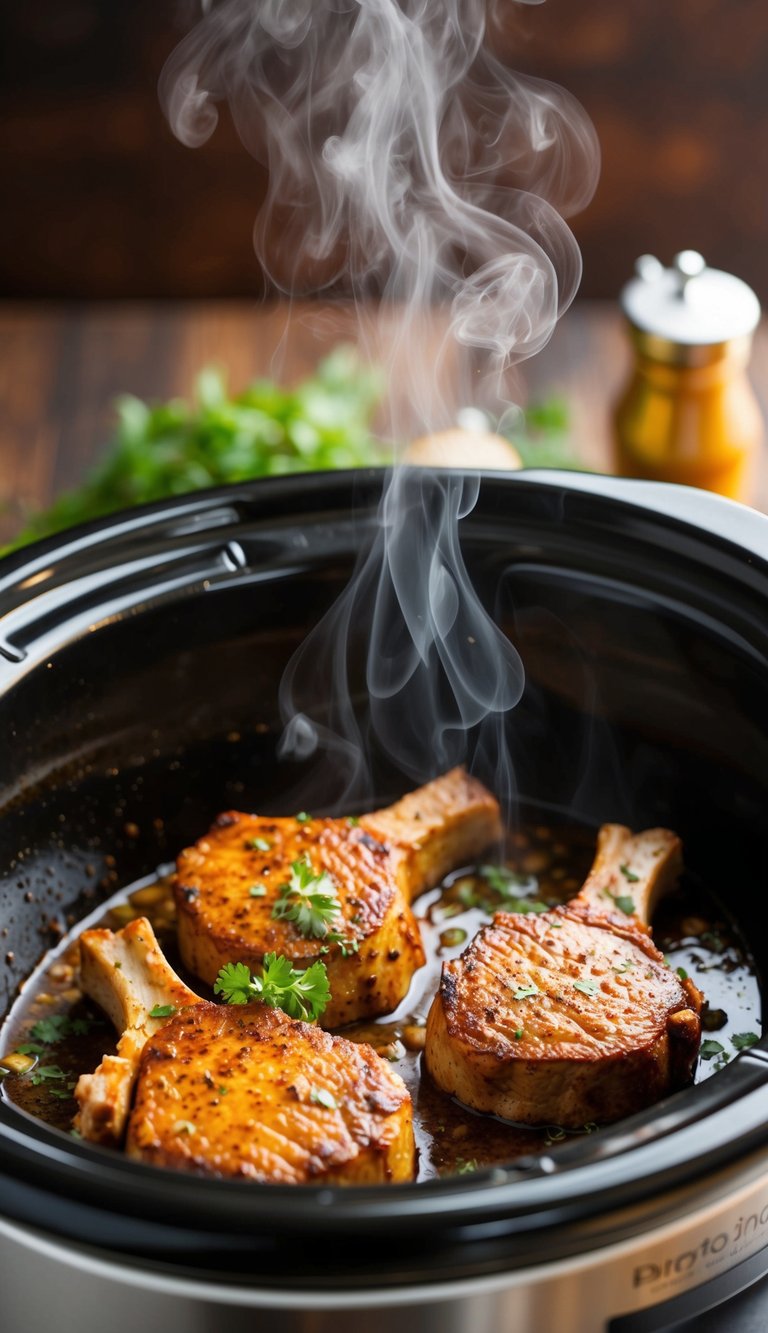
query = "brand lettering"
x=685 y=1262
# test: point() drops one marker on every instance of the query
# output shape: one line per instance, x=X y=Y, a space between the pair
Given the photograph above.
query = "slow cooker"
x=140 y=660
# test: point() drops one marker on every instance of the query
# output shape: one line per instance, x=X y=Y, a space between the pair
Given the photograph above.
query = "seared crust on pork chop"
x=245 y=1091
x=571 y=1015
x=229 y=883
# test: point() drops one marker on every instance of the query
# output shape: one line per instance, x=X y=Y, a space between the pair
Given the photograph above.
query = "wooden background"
x=101 y=201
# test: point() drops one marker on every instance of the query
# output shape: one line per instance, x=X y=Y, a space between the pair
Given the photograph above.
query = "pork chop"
x=246 y=1091
x=571 y=1016
x=242 y=1091
x=245 y=890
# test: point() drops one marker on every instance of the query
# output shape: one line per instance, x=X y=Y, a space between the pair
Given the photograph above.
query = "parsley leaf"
x=524 y=992
x=629 y=875
x=625 y=904
x=310 y=902
x=281 y=986
x=743 y=1040
x=258 y=891
x=709 y=1049
x=51 y=1030
x=163 y=1011
x=46 y=1073
x=587 y=986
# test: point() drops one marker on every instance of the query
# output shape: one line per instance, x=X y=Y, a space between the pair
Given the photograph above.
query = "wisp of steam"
x=408 y=167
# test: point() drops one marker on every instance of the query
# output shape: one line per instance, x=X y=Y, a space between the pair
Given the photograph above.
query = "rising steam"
x=406 y=164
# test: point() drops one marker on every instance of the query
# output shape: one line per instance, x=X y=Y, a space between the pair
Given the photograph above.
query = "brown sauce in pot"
x=62 y=1034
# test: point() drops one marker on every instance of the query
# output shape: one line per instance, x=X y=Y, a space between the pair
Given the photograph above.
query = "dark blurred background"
x=102 y=202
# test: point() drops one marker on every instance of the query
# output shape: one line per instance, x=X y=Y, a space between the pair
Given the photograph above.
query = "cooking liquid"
x=544 y=864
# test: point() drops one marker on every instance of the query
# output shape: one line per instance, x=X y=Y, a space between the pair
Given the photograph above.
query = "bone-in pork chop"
x=248 y=887
x=241 y=1091
x=571 y=1016
x=248 y=1092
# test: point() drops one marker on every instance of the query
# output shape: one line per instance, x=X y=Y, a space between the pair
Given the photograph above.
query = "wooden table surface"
x=61 y=366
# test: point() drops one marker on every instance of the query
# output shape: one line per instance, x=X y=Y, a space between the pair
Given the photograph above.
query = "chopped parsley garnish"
x=47 y=1074
x=518 y=1034
x=625 y=904
x=302 y=817
x=681 y=972
x=743 y=1040
x=464 y=1167
x=629 y=875
x=300 y=994
x=323 y=1098
x=505 y=891
x=259 y=845
x=709 y=1049
x=587 y=986
x=624 y=966
x=258 y=891
x=49 y=1031
x=524 y=992
x=353 y=821
x=163 y=1011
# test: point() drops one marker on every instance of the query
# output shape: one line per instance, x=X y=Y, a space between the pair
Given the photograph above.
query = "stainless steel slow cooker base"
x=677 y=1271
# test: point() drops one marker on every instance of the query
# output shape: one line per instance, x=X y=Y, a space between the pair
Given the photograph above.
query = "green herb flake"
x=52 y=1030
x=323 y=1098
x=302 y=817
x=624 y=966
x=257 y=891
x=465 y=1167
x=625 y=904
x=47 y=1074
x=742 y=1041
x=222 y=1091
x=629 y=875
x=587 y=986
x=259 y=845
x=524 y=992
x=163 y=1011
x=681 y=972
x=709 y=1049
x=353 y=821
x=518 y=1034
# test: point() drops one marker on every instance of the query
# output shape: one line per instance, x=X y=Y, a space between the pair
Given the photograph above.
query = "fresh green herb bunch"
x=172 y=448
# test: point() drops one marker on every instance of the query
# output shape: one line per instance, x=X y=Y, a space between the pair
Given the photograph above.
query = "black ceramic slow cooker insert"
x=131 y=652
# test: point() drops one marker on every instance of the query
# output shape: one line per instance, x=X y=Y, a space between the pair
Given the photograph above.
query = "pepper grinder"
x=689 y=413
